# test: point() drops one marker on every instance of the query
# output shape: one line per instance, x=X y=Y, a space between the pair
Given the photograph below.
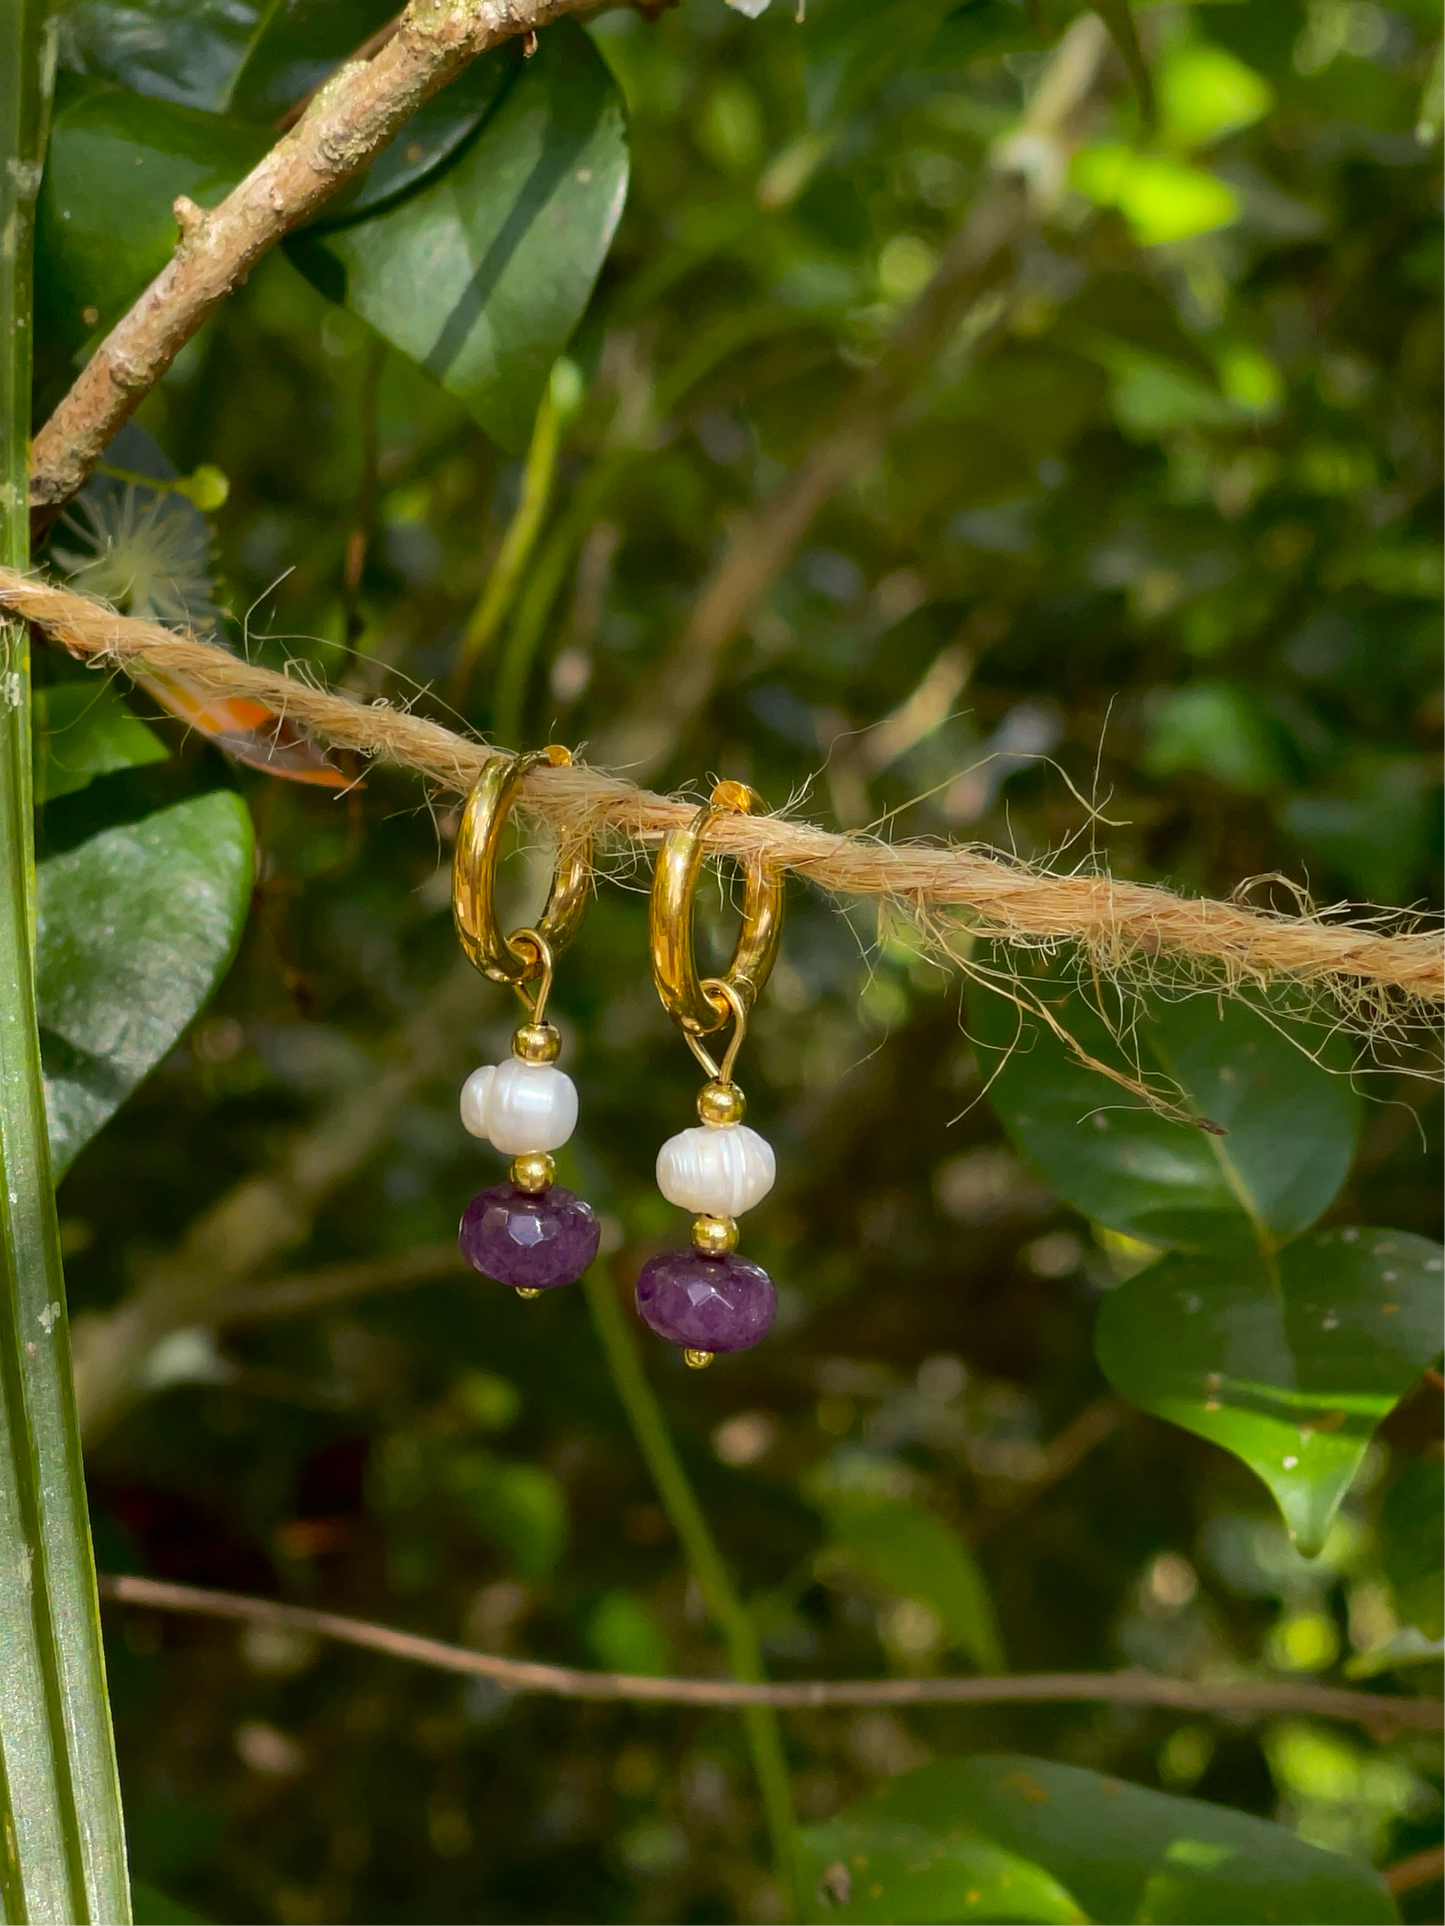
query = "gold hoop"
x=527 y=953
x=702 y=1007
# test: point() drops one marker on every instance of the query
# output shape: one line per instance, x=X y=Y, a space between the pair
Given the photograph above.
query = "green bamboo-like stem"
x=62 y=1844
x=725 y=1607
x=560 y=402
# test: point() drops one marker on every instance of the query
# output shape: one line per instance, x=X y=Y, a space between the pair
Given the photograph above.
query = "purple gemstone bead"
x=532 y=1242
x=707 y=1303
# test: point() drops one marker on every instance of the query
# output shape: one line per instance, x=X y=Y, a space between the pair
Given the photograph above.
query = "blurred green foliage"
x=1139 y=558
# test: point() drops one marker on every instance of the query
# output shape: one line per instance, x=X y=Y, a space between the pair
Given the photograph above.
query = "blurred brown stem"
x=1420 y=1869
x=1256 y=1699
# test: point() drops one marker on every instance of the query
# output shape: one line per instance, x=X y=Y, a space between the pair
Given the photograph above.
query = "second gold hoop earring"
x=709 y=1299
x=529 y=1233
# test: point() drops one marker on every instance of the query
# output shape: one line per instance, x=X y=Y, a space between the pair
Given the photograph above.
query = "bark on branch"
x=351 y=119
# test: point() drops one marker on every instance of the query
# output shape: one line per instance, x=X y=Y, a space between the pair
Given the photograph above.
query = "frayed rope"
x=1380 y=972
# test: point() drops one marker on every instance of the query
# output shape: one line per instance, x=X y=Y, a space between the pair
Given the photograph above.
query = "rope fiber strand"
x=1379 y=976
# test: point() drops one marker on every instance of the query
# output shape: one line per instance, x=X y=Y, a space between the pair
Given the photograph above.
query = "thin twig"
x=1255 y=1699
x=352 y=118
x=1119 y=923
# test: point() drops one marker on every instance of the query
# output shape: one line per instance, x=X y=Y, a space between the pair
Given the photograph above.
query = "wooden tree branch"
x=352 y=118
x=1252 y=1699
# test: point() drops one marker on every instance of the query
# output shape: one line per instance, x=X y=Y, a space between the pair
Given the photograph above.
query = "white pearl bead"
x=520 y=1107
x=721 y=1172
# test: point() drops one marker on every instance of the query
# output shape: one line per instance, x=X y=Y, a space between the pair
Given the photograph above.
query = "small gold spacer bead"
x=732 y=795
x=714 y=1236
x=536 y=1043
x=526 y=1290
x=697 y=1360
x=720 y=1104
x=533 y=1172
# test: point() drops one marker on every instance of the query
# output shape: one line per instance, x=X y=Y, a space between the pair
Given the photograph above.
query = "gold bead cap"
x=720 y=1104
x=536 y=1043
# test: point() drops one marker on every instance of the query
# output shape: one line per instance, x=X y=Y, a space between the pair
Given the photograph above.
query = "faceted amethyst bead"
x=532 y=1242
x=707 y=1303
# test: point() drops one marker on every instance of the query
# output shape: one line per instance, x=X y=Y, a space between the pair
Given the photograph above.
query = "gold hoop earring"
x=528 y=1233
x=709 y=1299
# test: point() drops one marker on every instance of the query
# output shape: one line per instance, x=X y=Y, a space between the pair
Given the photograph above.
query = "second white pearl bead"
x=716 y=1172
x=520 y=1107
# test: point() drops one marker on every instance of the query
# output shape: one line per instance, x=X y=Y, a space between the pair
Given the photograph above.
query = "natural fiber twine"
x=1377 y=976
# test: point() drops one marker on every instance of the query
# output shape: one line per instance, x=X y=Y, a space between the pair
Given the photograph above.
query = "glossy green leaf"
x=136 y=928
x=1291 y=1122
x=105 y=227
x=432 y=135
x=1412 y=1536
x=294 y=46
x=868 y=1866
x=1289 y=1362
x=481 y=275
x=1119 y=1851
x=911 y=1552
x=301 y=42
x=84 y=730
x=187 y=51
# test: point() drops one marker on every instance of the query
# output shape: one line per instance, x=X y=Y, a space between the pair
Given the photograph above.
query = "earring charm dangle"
x=710 y=1299
x=530 y=1232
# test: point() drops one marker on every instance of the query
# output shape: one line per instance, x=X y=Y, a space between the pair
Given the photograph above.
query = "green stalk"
x=62 y=1843
x=560 y=402
x=725 y=1607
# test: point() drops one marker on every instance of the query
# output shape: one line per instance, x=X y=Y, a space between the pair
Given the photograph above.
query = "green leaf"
x=1431 y=116
x=1205 y=94
x=853 y=47
x=186 y=51
x=1118 y=17
x=136 y=928
x=891 y=1870
x=302 y=42
x=1115 y=1851
x=1219 y=730
x=481 y=275
x=521 y=1507
x=1412 y=1530
x=105 y=227
x=1290 y=1363
x=152 y=1907
x=1161 y=198
x=429 y=139
x=1291 y=1121
x=295 y=46
x=625 y=1637
x=84 y=730
x=914 y=1554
